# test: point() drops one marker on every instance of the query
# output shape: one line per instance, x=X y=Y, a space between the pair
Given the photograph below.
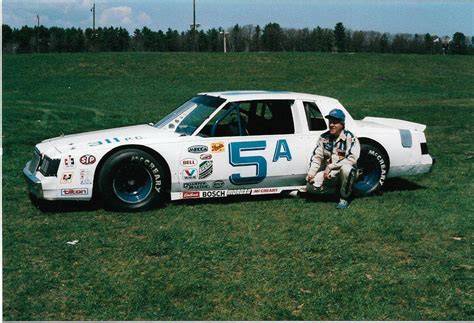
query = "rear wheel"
x=131 y=180
x=372 y=171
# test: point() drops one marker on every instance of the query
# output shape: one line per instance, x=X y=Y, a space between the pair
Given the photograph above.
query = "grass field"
x=404 y=255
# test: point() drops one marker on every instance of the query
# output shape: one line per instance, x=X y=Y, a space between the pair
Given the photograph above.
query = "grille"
x=35 y=162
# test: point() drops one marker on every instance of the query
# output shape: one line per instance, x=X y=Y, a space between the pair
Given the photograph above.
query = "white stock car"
x=217 y=145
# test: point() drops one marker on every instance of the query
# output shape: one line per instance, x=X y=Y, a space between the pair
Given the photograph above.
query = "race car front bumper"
x=34 y=184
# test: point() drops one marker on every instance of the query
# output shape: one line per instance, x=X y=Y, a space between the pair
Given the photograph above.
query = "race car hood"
x=396 y=123
x=109 y=137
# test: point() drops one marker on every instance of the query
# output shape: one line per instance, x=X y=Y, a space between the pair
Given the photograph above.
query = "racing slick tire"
x=131 y=180
x=372 y=169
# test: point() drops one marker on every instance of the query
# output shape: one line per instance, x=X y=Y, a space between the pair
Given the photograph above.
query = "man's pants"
x=344 y=176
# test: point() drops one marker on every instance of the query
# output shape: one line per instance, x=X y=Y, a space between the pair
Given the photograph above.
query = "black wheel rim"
x=132 y=183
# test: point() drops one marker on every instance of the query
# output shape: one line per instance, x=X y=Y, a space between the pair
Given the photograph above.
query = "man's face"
x=335 y=127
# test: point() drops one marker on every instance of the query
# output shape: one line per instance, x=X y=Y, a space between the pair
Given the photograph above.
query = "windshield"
x=190 y=115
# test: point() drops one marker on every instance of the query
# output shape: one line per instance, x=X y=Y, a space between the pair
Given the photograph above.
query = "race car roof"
x=264 y=95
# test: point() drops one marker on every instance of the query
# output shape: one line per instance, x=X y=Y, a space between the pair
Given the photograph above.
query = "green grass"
x=389 y=257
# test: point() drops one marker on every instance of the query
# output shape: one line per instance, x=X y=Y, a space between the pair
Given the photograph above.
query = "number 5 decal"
x=235 y=159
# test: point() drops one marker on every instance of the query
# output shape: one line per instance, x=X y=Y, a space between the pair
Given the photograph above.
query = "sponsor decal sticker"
x=190 y=195
x=218 y=184
x=113 y=141
x=190 y=173
x=206 y=157
x=195 y=186
x=245 y=191
x=210 y=194
x=197 y=149
x=69 y=162
x=218 y=147
x=86 y=178
x=74 y=191
x=205 y=169
x=87 y=160
x=189 y=162
x=257 y=191
x=66 y=178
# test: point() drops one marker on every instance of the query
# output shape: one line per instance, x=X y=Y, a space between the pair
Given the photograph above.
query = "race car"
x=216 y=145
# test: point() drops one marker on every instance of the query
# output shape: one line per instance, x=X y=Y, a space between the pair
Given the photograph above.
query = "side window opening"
x=251 y=118
x=314 y=117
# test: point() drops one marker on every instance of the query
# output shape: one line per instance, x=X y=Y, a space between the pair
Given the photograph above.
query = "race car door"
x=248 y=144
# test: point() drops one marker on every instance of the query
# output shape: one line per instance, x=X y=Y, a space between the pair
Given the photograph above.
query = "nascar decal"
x=196 y=186
x=190 y=173
x=188 y=162
x=74 y=191
x=205 y=169
x=86 y=177
x=69 y=162
x=197 y=149
x=66 y=178
x=87 y=160
x=218 y=147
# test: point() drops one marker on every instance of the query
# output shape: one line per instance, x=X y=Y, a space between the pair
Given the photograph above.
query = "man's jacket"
x=333 y=153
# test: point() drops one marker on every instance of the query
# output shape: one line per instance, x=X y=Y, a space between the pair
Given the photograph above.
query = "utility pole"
x=194 y=26
x=225 y=43
x=93 y=20
x=37 y=33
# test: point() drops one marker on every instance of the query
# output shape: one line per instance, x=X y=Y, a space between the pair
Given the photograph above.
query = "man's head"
x=337 y=119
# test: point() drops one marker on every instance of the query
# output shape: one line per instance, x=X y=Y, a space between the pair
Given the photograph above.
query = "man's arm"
x=316 y=160
x=352 y=155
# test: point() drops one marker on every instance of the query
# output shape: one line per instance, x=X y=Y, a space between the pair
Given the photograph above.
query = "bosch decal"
x=188 y=162
x=74 y=191
x=209 y=194
x=66 y=178
x=87 y=160
x=190 y=173
x=197 y=149
x=195 y=186
x=205 y=169
x=218 y=147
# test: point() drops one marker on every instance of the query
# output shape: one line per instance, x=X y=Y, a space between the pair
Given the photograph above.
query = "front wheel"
x=131 y=180
x=372 y=171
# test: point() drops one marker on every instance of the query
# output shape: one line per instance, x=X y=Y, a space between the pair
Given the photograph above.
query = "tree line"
x=249 y=38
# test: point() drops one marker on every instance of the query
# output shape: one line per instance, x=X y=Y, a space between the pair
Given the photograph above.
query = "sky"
x=402 y=16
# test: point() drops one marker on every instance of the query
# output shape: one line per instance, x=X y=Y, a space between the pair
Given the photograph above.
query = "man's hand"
x=327 y=171
x=309 y=178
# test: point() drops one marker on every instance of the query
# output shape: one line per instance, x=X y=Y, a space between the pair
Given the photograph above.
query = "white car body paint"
x=282 y=174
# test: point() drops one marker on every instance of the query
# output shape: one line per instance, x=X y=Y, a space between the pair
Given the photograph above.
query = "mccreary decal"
x=197 y=149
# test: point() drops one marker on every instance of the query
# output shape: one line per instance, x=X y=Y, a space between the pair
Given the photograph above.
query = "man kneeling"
x=335 y=158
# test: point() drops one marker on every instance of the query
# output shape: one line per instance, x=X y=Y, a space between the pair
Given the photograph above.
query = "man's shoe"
x=343 y=204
